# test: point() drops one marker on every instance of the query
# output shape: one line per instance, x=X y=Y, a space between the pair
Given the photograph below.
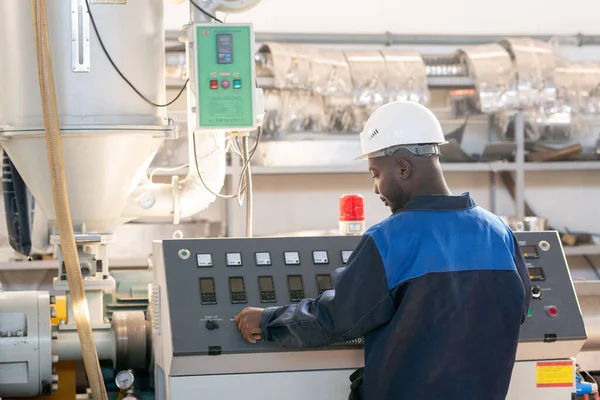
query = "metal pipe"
x=390 y=39
x=66 y=345
x=520 y=162
x=248 y=182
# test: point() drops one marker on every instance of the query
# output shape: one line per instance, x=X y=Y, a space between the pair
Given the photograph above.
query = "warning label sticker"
x=554 y=374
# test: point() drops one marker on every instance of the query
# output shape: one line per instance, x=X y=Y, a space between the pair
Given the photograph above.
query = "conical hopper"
x=109 y=134
x=101 y=170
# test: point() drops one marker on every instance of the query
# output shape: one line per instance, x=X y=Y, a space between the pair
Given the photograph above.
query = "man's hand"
x=248 y=322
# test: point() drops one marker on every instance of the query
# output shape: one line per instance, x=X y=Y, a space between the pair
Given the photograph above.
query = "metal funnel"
x=101 y=170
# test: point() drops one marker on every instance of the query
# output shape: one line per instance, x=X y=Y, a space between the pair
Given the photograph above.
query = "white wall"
x=415 y=17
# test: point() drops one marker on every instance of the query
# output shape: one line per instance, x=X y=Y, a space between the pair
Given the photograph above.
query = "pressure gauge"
x=124 y=380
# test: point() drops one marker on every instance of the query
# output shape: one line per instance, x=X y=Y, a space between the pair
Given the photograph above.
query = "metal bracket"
x=80 y=35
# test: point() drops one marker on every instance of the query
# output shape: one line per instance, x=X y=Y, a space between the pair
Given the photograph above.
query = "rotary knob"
x=536 y=292
x=211 y=325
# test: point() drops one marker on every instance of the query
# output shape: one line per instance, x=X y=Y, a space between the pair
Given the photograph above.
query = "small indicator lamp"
x=352 y=215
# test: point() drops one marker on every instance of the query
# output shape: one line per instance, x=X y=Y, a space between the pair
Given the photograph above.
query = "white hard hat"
x=400 y=123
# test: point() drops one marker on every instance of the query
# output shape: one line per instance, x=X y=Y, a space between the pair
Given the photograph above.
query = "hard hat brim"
x=366 y=156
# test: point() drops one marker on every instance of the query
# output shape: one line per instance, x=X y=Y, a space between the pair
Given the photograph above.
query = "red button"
x=214 y=85
x=552 y=311
x=225 y=84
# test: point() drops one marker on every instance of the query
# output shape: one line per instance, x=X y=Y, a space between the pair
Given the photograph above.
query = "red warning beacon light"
x=352 y=214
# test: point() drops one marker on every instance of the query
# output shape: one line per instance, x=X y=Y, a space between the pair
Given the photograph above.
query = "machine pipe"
x=391 y=39
x=193 y=194
x=66 y=345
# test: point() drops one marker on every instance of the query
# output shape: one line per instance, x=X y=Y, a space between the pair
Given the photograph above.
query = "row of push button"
x=225 y=84
x=551 y=311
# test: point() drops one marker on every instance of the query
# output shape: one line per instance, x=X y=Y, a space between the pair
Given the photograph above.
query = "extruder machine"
x=81 y=125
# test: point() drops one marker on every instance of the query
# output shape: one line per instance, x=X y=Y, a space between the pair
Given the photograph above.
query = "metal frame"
x=391 y=39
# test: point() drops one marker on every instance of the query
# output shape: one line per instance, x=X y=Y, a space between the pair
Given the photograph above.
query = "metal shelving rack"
x=519 y=168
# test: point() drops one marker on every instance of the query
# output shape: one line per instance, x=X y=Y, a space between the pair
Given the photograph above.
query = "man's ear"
x=404 y=168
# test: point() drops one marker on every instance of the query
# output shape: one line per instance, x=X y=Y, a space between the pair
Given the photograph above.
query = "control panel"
x=554 y=313
x=210 y=281
x=224 y=77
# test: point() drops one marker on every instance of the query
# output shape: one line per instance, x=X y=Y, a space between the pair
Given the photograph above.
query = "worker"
x=438 y=290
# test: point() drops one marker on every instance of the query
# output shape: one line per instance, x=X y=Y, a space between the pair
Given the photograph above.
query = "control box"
x=210 y=281
x=554 y=314
x=223 y=74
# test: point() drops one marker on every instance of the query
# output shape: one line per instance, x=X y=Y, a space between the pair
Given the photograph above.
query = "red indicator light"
x=552 y=311
x=352 y=207
x=214 y=84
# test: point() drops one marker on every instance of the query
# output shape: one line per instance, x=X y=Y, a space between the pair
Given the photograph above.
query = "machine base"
x=335 y=385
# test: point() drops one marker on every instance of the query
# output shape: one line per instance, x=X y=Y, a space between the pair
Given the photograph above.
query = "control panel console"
x=210 y=281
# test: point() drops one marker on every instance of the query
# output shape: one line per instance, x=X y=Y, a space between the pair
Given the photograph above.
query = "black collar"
x=438 y=202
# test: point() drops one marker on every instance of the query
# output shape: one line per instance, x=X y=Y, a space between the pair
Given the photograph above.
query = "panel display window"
x=324 y=283
x=267 y=289
x=237 y=290
x=208 y=294
x=296 y=288
x=530 y=252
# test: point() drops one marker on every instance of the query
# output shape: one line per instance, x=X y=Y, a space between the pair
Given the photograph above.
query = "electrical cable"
x=93 y=21
x=203 y=11
x=241 y=183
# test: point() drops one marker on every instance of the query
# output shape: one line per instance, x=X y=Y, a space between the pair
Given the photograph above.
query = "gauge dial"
x=234 y=259
x=124 y=380
x=292 y=258
x=263 y=258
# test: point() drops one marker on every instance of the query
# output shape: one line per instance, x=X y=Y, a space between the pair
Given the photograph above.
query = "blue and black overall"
x=439 y=291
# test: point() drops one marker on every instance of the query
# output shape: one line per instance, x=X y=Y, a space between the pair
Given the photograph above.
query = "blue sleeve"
x=360 y=303
x=523 y=273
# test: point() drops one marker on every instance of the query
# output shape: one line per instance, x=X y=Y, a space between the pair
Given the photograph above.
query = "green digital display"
x=225 y=77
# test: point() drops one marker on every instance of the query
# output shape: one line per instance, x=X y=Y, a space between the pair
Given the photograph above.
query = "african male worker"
x=439 y=289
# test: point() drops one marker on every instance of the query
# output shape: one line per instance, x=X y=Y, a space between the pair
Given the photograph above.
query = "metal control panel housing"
x=554 y=313
x=217 y=278
x=224 y=77
x=223 y=276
